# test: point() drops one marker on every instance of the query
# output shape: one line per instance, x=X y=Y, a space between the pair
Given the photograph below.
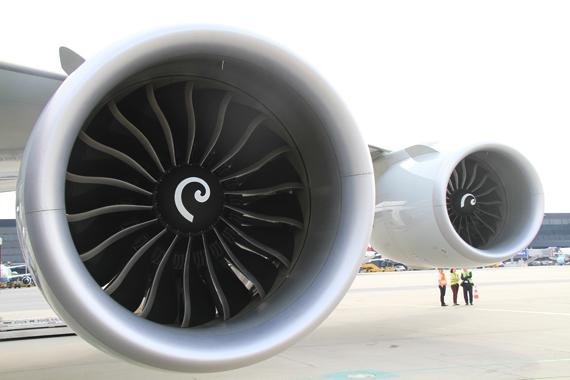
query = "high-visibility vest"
x=464 y=276
x=443 y=281
x=454 y=279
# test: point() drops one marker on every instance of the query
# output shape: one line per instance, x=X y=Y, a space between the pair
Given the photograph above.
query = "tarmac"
x=389 y=325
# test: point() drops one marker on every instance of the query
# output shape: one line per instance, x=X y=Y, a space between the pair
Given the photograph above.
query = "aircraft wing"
x=15 y=266
x=17 y=276
x=24 y=92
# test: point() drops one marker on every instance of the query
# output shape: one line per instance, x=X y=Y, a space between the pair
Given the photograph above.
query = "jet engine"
x=195 y=199
x=455 y=205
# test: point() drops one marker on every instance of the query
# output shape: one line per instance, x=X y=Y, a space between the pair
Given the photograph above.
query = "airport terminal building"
x=10 y=250
x=554 y=232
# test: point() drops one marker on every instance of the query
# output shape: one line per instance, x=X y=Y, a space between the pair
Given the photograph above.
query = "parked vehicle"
x=369 y=267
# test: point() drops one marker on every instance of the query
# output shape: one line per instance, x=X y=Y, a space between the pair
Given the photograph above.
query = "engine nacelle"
x=455 y=206
x=195 y=199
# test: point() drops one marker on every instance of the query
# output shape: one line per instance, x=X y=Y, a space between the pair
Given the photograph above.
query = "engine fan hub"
x=188 y=200
x=463 y=202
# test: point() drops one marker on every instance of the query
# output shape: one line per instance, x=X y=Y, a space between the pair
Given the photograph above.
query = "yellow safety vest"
x=465 y=277
x=454 y=279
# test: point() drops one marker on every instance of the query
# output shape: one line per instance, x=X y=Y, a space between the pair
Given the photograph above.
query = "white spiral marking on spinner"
x=473 y=201
x=198 y=195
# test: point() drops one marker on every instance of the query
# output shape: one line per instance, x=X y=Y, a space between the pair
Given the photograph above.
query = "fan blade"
x=199 y=307
x=257 y=165
x=281 y=208
x=161 y=305
x=257 y=269
x=472 y=176
x=130 y=267
x=218 y=127
x=113 y=239
x=135 y=131
x=244 y=138
x=115 y=153
x=259 y=239
x=230 y=294
x=106 y=182
x=163 y=122
x=106 y=210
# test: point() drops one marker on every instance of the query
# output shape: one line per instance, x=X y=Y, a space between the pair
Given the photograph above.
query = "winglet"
x=69 y=59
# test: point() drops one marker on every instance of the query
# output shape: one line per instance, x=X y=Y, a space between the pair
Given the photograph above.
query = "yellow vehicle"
x=370 y=268
x=17 y=284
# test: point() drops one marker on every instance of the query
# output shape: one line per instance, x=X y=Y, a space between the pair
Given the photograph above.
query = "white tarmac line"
x=479 y=309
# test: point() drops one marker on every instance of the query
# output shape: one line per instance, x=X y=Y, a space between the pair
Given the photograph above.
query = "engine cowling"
x=194 y=199
x=448 y=206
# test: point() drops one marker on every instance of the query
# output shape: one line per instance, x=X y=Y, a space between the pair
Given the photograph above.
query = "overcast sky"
x=410 y=72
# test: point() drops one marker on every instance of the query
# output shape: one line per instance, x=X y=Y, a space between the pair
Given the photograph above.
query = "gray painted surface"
x=389 y=324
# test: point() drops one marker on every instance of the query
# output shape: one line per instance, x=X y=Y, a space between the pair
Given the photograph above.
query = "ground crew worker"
x=442 y=283
x=467 y=283
x=454 y=284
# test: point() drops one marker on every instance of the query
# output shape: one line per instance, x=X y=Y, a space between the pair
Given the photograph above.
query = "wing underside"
x=24 y=92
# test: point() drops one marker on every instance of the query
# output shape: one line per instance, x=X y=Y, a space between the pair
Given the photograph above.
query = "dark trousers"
x=442 y=295
x=455 y=289
x=468 y=290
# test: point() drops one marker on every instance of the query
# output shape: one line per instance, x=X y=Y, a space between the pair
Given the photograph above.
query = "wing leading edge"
x=24 y=92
